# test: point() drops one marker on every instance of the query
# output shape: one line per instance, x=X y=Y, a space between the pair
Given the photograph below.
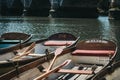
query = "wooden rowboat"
x=33 y=50
x=12 y=39
x=88 y=57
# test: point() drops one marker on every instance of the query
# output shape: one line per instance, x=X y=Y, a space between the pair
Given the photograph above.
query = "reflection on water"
x=106 y=29
x=44 y=27
x=86 y=28
x=95 y=28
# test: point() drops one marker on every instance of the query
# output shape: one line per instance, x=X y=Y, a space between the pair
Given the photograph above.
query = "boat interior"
x=80 y=67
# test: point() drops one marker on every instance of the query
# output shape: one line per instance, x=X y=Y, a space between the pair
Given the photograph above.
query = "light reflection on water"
x=44 y=27
x=92 y=27
x=86 y=28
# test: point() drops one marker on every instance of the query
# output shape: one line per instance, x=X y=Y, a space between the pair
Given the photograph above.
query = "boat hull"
x=90 y=65
x=41 y=48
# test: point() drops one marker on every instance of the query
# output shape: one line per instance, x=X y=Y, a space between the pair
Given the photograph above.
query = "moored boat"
x=33 y=50
x=88 y=57
x=12 y=39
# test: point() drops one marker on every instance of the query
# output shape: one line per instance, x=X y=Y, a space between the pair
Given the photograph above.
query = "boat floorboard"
x=71 y=76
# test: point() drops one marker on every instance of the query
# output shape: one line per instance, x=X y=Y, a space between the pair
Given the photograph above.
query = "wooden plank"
x=78 y=74
x=75 y=71
x=62 y=77
x=73 y=76
x=84 y=76
x=88 y=72
x=93 y=68
x=98 y=69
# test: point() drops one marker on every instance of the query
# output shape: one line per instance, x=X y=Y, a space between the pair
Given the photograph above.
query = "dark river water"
x=44 y=27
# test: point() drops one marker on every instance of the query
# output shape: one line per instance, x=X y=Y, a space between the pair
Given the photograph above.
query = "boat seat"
x=93 y=52
x=88 y=72
x=75 y=71
x=10 y=41
x=58 y=43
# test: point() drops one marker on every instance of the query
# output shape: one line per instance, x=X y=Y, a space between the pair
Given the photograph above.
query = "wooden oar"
x=23 y=54
x=57 y=52
x=53 y=70
x=26 y=51
x=29 y=48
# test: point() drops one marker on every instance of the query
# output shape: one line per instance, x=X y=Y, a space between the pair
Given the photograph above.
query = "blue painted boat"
x=12 y=39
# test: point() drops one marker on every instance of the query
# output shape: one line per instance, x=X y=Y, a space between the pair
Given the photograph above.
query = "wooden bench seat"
x=88 y=72
x=93 y=52
x=10 y=41
x=58 y=43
